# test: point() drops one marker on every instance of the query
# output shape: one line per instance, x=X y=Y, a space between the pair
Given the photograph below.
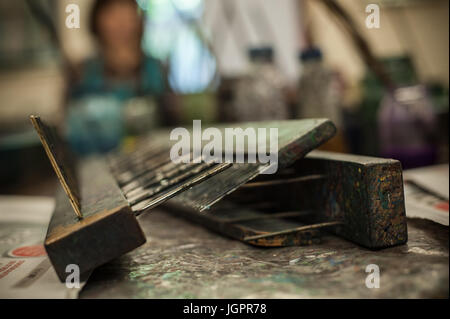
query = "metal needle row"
x=148 y=176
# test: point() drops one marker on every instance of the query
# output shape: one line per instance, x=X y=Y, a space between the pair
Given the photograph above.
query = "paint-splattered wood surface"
x=184 y=260
x=365 y=193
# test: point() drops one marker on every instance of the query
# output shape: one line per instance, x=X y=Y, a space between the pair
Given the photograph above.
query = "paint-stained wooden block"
x=364 y=193
x=92 y=222
x=107 y=230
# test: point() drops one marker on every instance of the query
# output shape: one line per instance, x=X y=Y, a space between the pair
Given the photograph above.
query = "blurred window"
x=173 y=35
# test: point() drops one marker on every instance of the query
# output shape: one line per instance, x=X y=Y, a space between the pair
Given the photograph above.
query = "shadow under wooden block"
x=107 y=230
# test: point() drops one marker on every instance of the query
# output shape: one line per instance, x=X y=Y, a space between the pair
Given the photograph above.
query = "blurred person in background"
x=119 y=91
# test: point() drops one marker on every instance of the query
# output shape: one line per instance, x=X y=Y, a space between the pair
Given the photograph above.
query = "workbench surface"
x=184 y=260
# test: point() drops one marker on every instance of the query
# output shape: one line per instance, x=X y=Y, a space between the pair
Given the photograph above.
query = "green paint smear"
x=170 y=275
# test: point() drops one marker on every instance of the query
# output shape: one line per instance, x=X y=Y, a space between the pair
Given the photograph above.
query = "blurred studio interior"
x=107 y=72
x=134 y=66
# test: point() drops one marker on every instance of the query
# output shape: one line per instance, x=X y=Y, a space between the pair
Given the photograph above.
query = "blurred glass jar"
x=319 y=90
x=94 y=124
x=259 y=96
x=406 y=124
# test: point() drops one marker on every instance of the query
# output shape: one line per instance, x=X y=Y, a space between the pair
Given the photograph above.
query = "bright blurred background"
x=231 y=61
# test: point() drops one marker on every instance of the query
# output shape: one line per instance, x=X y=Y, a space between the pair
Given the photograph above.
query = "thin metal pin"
x=292 y=230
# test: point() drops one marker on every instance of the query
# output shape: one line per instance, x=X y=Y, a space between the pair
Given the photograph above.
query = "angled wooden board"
x=295 y=139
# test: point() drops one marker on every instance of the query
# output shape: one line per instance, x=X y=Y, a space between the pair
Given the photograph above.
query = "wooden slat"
x=296 y=139
x=62 y=161
x=107 y=230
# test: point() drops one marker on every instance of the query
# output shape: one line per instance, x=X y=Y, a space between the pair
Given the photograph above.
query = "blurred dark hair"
x=100 y=5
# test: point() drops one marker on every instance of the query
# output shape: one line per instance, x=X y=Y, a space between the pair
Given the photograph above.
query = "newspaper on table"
x=427 y=193
x=25 y=270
